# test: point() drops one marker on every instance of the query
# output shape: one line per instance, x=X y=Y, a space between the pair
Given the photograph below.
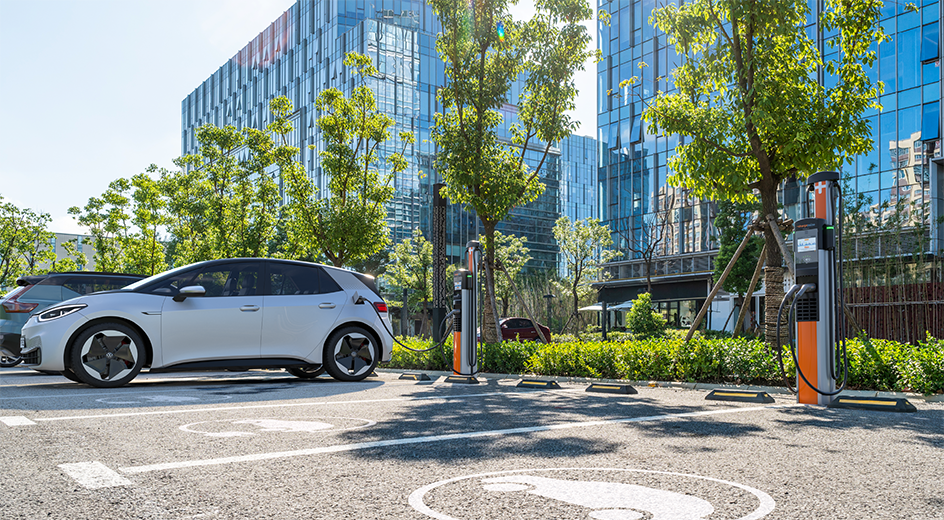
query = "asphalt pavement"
x=264 y=444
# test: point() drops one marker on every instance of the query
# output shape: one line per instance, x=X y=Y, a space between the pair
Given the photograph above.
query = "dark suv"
x=35 y=293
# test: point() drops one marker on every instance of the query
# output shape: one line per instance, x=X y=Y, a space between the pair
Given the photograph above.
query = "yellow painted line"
x=606 y=387
x=737 y=394
x=863 y=401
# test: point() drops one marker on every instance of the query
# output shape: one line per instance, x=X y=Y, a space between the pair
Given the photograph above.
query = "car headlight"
x=58 y=312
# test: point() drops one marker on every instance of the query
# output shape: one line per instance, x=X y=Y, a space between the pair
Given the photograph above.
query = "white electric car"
x=232 y=314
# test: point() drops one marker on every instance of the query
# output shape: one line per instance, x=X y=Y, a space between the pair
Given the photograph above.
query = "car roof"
x=23 y=281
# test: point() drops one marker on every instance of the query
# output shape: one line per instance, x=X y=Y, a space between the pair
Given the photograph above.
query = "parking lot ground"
x=263 y=444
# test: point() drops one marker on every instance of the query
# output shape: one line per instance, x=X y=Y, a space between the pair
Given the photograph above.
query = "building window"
x=929 y=42
x=930 y=121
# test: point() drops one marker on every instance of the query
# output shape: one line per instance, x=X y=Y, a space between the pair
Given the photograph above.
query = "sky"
x=91 y=90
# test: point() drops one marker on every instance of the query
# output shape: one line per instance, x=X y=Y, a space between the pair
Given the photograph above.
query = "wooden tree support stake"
x=717 y=287
x=750 y=290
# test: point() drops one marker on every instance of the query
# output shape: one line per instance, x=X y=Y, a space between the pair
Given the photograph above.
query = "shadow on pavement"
x=174 y=390
x=926 y=425
x=504 y=407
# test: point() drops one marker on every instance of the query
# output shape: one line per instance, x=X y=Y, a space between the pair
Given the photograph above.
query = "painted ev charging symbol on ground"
x=612 y=501
x=592 y=493
x=251 y=427
x=160 y=399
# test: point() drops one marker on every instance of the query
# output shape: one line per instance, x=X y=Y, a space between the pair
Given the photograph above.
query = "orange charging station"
x=465 y=340
x=816 y=304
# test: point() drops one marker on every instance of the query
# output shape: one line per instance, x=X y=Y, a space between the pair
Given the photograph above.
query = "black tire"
x=309 y=372
x=70 y=375
x=351 y=354
x=107 y=355
x=7 y=362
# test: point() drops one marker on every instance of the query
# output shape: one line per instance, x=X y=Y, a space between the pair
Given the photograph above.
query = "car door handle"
x=249 y=308
x=326 y=306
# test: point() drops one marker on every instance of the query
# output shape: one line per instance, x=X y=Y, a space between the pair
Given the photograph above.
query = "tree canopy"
x=749 y=103
x=485 y=51
x=348 y=224
x=583 y=246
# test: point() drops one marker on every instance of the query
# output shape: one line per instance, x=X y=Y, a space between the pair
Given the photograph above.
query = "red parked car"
x=512 y=328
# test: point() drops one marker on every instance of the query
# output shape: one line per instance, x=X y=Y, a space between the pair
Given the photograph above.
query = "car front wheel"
x=107 y=355
x=351 y=354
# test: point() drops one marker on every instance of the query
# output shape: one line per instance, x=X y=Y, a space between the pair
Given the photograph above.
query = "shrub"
x=873 y=364
x=509 y=357
x=436 y=359
x=642 y=321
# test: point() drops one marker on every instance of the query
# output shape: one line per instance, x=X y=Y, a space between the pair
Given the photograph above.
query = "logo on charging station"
x=595 y=493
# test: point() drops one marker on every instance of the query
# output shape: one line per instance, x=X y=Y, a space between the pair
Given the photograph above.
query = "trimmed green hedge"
x=874 y=364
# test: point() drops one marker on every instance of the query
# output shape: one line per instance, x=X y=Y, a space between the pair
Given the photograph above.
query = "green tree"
x=411 y=267
x=642 y=321
x=512 y=255
x=349 y=223
x=124 y=223
x=732 y=221
x=583 y=247
x=146 y=254
x=485 y=50
x=750 y=106
x=73 y=260
x=23 y=242
x=108 y=221
x=221 y=206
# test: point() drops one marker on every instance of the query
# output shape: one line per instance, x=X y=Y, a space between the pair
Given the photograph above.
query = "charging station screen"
x=805 y=245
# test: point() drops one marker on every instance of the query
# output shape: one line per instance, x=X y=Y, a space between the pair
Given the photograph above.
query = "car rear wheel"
x=107 y=355
x=7 y=362
x=351 y=354
x=309 y=372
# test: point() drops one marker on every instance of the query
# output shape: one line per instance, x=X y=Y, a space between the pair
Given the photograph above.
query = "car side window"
x=237 y=279
x=234 y=279
x=288 y=279
x=172 y=285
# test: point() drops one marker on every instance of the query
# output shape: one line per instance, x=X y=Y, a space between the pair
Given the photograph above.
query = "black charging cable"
x=783 y=370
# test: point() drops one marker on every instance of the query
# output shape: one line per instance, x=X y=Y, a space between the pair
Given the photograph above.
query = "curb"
x=938 y=398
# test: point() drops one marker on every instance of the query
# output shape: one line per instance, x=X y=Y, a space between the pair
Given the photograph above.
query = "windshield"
x=141 y=283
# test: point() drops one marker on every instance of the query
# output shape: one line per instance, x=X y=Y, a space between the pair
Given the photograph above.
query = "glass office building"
x=905 y=163
x=301 y=53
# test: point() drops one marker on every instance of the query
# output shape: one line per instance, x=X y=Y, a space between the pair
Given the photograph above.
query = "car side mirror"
x=190 y=290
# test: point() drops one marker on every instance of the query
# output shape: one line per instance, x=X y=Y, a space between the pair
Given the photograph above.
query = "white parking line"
x=430 y=438
x=94 y=475
x=280 y=405
x=113 y=393
x=16 y=420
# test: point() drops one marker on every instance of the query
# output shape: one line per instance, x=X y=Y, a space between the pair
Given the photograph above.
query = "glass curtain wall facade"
x=904 y=166
x=657 y=228
x=302 y=52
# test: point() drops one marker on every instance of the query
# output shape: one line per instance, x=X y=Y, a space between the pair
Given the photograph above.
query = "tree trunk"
x=424 y=328
x=773 y=273
x=649 y=276
x=773 y=292
x=576 y=315
x=489 y=325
